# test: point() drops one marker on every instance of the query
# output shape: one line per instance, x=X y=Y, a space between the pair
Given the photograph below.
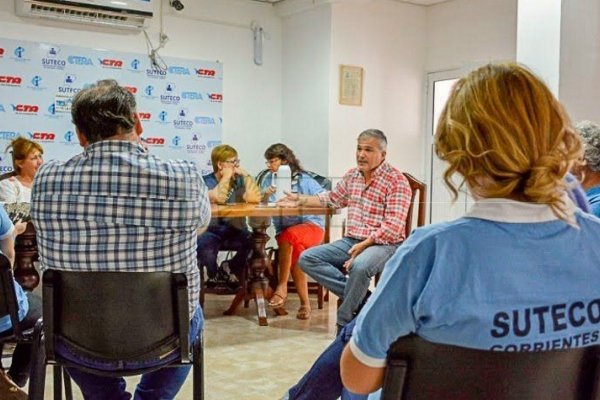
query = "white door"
x=441 y=206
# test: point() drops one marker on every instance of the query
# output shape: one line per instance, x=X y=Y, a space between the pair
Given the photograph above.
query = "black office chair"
x=112 y=316
x=418 y=369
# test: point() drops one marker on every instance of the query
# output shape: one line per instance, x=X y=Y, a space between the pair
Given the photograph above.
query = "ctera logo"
x=110 y=63
x=215 y=97
x=191 y=96
x=2 y=108
x=176 y=70
x=144 y=116
x=43 y=136
x=155 y=141
x=80 y=60
x=206 y=73
x=7 y=80
x=36 y=81
x=204 y=120
x=19 y=52
x=8 y=135
x=131 y=89
x=25 y=109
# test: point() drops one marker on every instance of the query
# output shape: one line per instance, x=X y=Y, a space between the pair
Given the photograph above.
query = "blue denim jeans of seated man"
x=162 y=384
x=217 y=236
x=323 y=380
x=325 y=264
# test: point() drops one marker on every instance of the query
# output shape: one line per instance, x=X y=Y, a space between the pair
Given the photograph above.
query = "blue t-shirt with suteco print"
x=509 y=276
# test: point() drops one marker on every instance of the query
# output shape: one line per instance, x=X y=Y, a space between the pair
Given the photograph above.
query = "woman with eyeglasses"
x=27 y=156
x=229 y=183
x=293 y=234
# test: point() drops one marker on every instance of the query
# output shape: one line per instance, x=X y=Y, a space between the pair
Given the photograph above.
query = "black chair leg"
x=37 y=376
x=57 y=375
x=198 y=369
x=68 y=386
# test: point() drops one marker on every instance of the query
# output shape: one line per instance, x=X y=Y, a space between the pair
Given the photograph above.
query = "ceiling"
x=418 y=2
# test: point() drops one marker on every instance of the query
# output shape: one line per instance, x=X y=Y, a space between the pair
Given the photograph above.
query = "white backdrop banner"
x=180 y=107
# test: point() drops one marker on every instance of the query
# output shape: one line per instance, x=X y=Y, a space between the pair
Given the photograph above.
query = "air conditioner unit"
x=130 y=14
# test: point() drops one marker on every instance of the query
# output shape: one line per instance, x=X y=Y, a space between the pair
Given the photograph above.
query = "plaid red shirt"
x=377 y=210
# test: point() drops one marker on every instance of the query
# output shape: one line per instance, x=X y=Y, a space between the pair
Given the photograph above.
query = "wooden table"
x=259 y=221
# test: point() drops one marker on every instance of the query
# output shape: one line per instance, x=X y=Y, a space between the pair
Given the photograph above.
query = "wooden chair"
x=418 y=369
x=93 y=313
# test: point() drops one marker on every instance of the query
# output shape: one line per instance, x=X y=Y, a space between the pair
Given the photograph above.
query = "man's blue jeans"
x=325 y=265
x=323 y=380
x=162 y=384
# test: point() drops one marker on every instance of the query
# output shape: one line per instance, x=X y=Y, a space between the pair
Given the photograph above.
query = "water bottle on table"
x=283 y=181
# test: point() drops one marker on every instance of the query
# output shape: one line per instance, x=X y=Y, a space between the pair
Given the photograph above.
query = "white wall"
x=580 y=59
x=306 y=76
x=252 y=94
x=463 y=33
x=387 y=39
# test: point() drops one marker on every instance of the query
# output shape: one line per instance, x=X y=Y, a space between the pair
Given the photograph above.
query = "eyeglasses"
x=234 y=162
x=272 y=161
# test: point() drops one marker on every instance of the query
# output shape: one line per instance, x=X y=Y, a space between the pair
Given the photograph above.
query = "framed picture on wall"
x=351 y=85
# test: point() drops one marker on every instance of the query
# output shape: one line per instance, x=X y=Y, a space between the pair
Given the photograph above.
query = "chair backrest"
x=7 y=175
x=116 y=315
x=419 y=192
x=8 y=297
x=418 y=369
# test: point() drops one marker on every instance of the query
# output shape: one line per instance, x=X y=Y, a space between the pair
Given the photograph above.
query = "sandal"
x=277 y=301
x=303 y=312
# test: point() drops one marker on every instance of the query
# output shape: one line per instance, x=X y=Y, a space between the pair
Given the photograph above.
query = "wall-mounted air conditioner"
x=114 y=13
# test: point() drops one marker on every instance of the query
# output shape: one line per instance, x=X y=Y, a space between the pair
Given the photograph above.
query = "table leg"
x=257 y=264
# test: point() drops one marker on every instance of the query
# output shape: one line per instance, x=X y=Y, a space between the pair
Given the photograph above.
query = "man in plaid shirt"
x=117 y=208
x=378 y=198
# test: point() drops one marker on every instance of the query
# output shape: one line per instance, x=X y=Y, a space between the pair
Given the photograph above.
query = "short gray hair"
x=374 y=134
x=590 y=133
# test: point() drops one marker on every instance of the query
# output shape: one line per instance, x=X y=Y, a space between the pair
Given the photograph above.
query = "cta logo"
x=144 y=116
x=110 y=63
x=155 y=141
x=131 y=89
x=176 y=70
x=215 y=97
x=191 y=96
x=204 y=120
x=80 y=60
x=10 y=80
x=43 y=136
x=156 y=73
x=26 y=109
x=8 y=135
x=2 y=51
x=206 y=73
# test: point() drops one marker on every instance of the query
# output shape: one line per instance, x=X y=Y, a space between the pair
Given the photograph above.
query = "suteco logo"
x=43 y=136
x=155 y=141
x=25 y=109
x=144 y=116
x=7 y=80
x=131 y=89
x=215 y=97
x=51 y=61
x=206 y=73
x=80 y=60
x=156 y=73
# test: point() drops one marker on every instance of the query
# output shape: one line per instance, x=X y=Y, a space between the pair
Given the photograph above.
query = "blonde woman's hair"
x=20 y=148
x=506 y=134
x=221 y=153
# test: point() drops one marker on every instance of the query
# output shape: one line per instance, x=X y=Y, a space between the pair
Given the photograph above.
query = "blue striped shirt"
x=117 y=208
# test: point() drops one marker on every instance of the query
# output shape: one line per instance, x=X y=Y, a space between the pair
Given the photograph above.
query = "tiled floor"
x=244 y=361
